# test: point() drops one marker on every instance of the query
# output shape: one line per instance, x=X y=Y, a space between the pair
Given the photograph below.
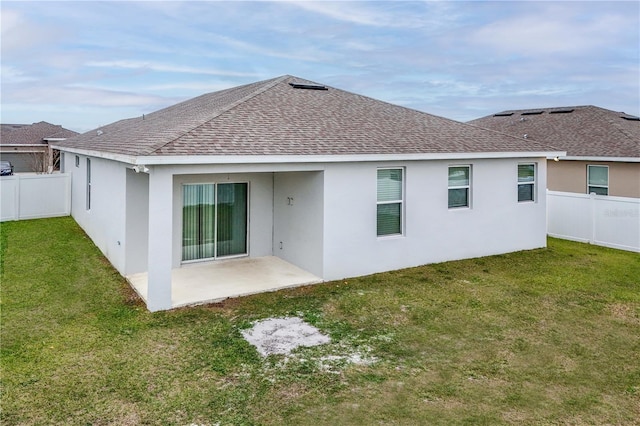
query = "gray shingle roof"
x=582 y=131
x=32 y=134
x=272 y=117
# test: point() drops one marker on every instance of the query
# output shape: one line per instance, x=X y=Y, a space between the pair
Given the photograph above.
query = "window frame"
x=533 y=183
x=400 y=202
x=589 y=185
x=88 y=184
x=215 y=205
x=458 y=187
x=77 y=161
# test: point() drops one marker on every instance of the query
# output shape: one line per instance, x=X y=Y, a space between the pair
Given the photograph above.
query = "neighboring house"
x=27 y=146
x=338 y=184
x=603 y=146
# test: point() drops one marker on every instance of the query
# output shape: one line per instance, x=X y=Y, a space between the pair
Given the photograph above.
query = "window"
x=214 y=220
x=389 y=205
x=459 y=186
x=88 y=183
x=526 y=182
x=77 y=161
x=598 y=180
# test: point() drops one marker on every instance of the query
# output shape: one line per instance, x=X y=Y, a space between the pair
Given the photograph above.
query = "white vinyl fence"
x=596 y=219
x=31 y=196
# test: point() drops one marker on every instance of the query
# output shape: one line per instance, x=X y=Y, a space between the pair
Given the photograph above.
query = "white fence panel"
x=32 y=196
x=596 y=219
x=8 y=197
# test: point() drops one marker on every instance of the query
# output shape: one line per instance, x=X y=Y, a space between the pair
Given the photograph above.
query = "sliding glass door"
x=231 y=219
x=198 y=222
x=214 y=220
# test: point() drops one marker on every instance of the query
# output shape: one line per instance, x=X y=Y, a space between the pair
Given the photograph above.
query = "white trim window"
x=526 y=182
x=598 y=179
x=459 y=186
x=390 y=202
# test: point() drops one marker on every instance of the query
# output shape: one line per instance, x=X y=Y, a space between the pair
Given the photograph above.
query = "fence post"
x=546 y=218
x=592 y=210
x=17 y=197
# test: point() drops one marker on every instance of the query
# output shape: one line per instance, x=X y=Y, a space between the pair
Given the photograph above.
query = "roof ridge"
x=268 y=84
x=608 y=115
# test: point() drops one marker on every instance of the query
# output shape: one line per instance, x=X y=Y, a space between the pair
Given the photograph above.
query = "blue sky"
x=87 y=64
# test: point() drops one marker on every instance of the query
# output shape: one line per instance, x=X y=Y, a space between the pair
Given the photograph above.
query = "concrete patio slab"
x=209 y=282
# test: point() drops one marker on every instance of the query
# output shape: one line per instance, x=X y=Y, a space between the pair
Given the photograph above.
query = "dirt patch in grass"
x=130 y=297
x=625 y=312
x=282 y=335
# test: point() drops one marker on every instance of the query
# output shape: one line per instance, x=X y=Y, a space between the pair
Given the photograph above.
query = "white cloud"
x=19 y=33
x=79 y=96
x=188 y=86
x=343 y=11
x=12 y=75
x=161 y=67
x=274 y=49
x=363 y=13
x=551 y=28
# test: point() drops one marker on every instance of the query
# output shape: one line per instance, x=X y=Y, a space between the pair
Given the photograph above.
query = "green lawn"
x=549 y=336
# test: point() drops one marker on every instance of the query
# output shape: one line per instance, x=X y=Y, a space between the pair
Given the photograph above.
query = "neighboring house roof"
x=32 y=134
x=290 y=116
x=582 y=131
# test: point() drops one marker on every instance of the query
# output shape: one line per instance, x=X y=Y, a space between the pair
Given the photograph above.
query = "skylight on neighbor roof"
x=538 y=112
x=503 y=114
x=561 y=111
x=630 y=117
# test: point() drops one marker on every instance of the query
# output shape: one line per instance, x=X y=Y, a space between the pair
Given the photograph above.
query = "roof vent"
x=503 y=114
x=538 y=112
x=630 y=117
x=561 y=111
x=308 y=86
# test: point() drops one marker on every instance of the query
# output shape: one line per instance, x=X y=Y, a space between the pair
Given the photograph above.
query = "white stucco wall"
x=137 y=222
x=330 y=230
x=160 y=239
x=298 y=219
x=495 y=223
x=105 y=221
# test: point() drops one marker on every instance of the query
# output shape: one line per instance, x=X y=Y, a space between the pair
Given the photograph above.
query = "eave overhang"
x=150 y=160
x=39 y=145
x=595 y=158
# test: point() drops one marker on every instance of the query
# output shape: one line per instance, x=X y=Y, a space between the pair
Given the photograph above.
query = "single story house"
x=603 y=146
x=334 y=183
x=27 y=146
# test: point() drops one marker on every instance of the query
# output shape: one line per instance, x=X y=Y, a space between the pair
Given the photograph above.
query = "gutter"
x=149 y=160
x=24 y=144
x=122 y=158
x=614 y=159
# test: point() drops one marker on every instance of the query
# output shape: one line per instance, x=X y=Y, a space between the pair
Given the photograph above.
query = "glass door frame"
x=215 y=231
